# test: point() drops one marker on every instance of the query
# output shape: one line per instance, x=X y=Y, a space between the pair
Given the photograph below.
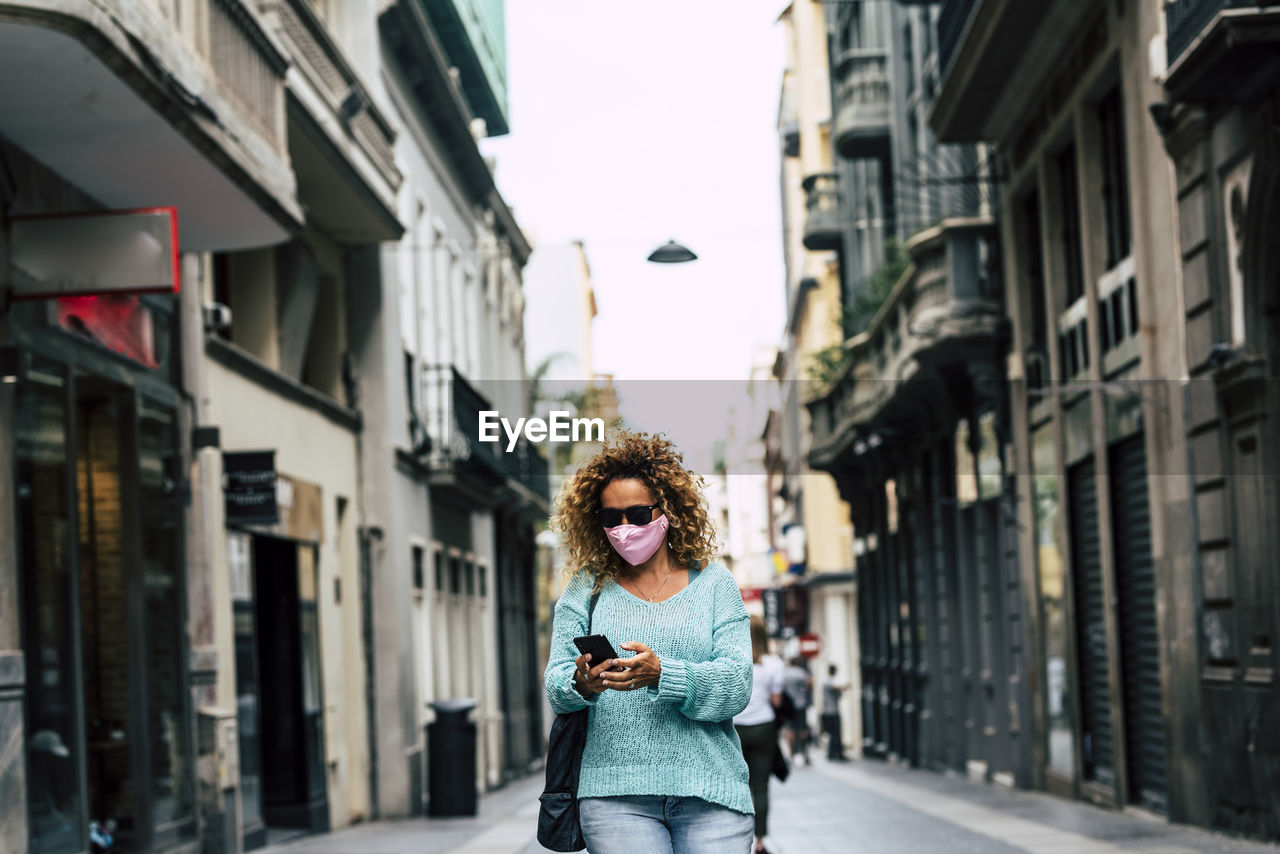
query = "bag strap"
x=591 y=609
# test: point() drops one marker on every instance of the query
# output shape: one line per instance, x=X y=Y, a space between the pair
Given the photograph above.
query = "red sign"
x=810 y=645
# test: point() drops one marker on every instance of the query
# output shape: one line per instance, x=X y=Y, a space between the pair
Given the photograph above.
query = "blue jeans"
x=654 y=824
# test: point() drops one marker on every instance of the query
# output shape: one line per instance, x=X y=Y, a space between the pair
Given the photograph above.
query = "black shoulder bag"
x=558 y=825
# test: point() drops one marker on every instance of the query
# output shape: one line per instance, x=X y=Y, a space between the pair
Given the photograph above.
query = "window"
x=439 y=561
x=909 y=55
x=1033 y=255
x=1052 y=575
x=1034 y=267
x=1069 y=189
x=1115 y=179
x=419 y=572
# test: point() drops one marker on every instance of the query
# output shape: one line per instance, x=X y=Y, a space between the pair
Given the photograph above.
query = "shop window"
x=966 y=466
x=162 y=560
x=53 y=751
x=1052 y=579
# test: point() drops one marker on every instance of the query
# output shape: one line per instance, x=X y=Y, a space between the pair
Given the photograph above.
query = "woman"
x=662 y=771
x=757 y=724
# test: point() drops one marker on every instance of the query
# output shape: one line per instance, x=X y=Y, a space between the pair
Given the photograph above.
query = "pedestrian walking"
x=798 y=685
x=831 y=691
x=662 y=771
x=757 y=724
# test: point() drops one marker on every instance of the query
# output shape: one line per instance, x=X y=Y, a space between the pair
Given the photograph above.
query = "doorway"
x=283 y=788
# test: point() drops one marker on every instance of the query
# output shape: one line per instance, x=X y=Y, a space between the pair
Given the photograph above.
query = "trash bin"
x=451 y=759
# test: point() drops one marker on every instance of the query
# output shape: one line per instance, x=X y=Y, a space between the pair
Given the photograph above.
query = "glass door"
x=99 y=523
x=56 y=809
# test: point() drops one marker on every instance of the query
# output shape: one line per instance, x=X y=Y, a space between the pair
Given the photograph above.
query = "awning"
x=63 y=105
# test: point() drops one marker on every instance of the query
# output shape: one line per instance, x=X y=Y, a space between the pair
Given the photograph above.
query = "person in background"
x=798 y=685
x=757 y=724
x=831 y=691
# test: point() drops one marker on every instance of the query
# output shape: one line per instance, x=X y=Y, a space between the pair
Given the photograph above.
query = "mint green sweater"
x=675 y=738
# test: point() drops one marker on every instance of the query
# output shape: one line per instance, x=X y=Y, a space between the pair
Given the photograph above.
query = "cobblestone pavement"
x=831 y=809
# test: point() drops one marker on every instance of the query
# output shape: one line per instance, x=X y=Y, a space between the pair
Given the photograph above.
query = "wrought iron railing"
x=951 y=22
x=1186 y=19
x=453 y=408
x=526 y=465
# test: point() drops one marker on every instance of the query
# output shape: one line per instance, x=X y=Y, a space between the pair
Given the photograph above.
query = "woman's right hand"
x=586 y=678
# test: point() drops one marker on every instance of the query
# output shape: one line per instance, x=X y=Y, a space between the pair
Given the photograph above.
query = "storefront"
x=101 y=573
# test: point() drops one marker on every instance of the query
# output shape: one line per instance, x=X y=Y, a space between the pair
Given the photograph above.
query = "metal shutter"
x=1139 y=640
x=1091 y=631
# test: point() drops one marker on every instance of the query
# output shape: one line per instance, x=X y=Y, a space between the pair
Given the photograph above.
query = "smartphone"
x=599 y=648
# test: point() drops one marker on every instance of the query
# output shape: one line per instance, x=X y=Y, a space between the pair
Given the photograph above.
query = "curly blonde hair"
x=655 y=462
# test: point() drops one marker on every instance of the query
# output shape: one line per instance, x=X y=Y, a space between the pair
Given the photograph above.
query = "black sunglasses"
x=639 y=514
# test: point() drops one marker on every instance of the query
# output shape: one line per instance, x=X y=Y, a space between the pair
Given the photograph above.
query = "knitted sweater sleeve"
x=718 y=689
x=570 y=622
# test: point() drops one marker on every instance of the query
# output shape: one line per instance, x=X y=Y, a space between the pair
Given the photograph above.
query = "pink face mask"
x=637 y=543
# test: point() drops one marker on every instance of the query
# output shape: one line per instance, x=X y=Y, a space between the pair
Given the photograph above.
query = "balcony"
x=139 y=108
x=340 y=143
x=1224 y=50
x=942 y=320
x=457 y=459
x=822 y=205
x=995 y=56
x=951 y=23
x=862 y=106
x=527 y=468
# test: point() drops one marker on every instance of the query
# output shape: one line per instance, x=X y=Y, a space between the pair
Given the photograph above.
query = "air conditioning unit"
x=217 y=317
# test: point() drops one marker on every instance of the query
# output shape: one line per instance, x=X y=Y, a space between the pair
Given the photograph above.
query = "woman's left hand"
x=642 y=670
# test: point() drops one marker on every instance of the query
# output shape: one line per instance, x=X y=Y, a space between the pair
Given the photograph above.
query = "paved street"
x=831 y=809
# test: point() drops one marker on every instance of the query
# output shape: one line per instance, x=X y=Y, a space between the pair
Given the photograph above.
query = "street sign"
x=109 y=252
x=810 y=645
x=250 y=487
x=772 y=598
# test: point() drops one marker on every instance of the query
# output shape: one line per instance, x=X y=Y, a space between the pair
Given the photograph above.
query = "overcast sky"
x=634 y=123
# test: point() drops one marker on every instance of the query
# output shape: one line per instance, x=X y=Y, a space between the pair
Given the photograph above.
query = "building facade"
x=1087 y=236
x=911 y=419
x=244 y=546
x=450 y=520
x=111 y=656
x=1220 y=130
x=1052 y=428
x=813 y=529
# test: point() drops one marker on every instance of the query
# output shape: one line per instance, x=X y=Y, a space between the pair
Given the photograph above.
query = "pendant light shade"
x=672 y=253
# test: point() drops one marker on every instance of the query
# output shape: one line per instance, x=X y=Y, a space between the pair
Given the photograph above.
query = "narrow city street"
x=831 y=809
